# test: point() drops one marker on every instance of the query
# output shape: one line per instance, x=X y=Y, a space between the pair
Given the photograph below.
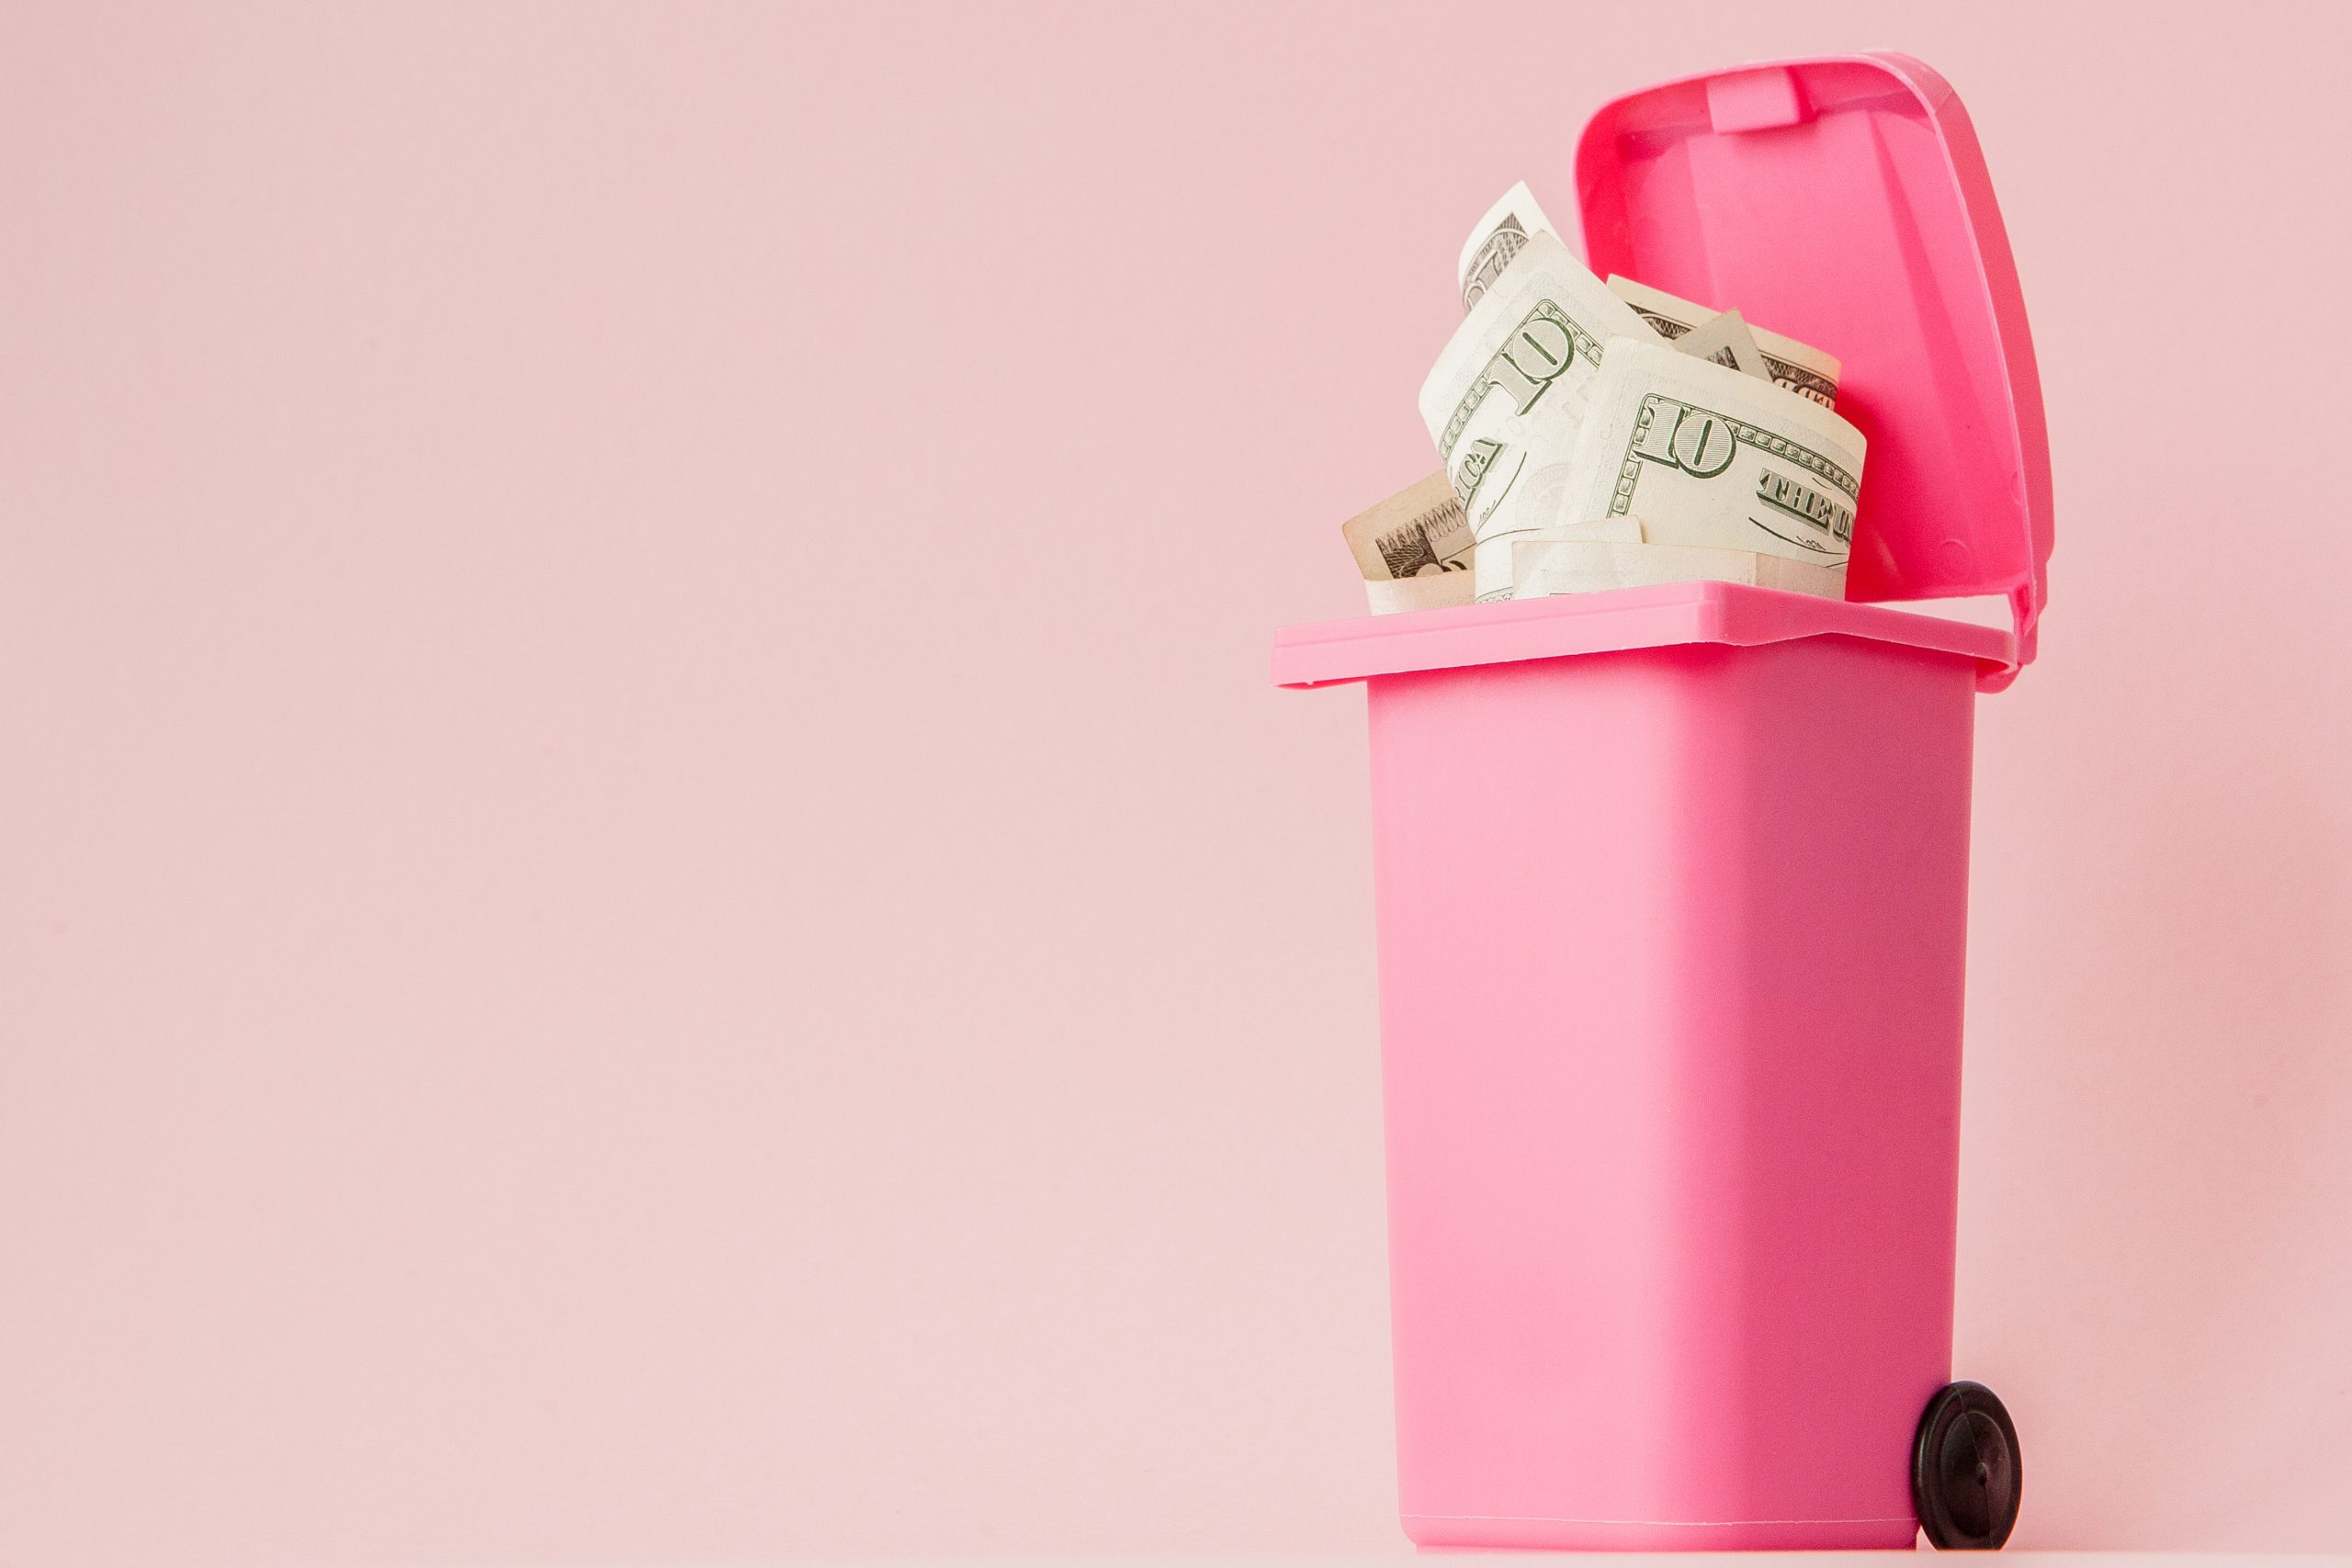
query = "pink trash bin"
x=1672 y=902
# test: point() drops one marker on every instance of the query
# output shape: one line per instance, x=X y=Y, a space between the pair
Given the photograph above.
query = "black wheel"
x=1966 y=1476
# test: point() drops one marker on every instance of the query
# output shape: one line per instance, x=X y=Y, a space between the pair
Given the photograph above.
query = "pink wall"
x=655 y=908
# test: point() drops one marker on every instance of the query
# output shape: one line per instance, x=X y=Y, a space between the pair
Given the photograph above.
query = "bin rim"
x=1364 y=648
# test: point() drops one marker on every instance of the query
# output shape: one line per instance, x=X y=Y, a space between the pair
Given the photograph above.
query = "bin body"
x=1672 y=950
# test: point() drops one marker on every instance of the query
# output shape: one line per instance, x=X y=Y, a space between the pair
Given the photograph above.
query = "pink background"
x=651 y=902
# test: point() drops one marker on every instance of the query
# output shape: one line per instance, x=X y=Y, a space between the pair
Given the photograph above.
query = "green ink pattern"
x=1629 y=472
x=1585 y=347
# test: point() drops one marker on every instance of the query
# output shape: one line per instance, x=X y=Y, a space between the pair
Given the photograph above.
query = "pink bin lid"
x=1843 y=202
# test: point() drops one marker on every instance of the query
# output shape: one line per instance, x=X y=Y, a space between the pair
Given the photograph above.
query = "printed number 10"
x=1693 y=440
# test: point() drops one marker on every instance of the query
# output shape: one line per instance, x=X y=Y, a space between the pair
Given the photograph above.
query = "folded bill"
x=1405 y=595
x=1541 y=566
x=1606 y=435
x=1801 y=367
x=1413 y=549
x=1505 y=400
x=1707 y=456
x=1727 y=341
x=1599 y=530
x=1499 y=236
x=1495 y=557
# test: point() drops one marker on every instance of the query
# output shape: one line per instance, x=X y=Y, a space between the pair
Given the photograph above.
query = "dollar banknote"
x=1413 y=549
x=1499 y=236
x=1709 y=458
x=1597 y=530
x=1727 y=341
x=1622 y=531
x=1801 y=367
x=1505 y=400
x=1543 y=566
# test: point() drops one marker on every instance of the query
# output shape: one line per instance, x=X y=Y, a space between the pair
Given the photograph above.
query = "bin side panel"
x=1529 y=1174
x=1670 y=950
x=1835 y=1009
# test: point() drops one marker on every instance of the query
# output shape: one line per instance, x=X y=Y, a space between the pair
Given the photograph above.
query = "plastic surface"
x=1967 y=1472
x=1671 y=887
x=1362 y=647
x=1672 y=948
x=1845 y=202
